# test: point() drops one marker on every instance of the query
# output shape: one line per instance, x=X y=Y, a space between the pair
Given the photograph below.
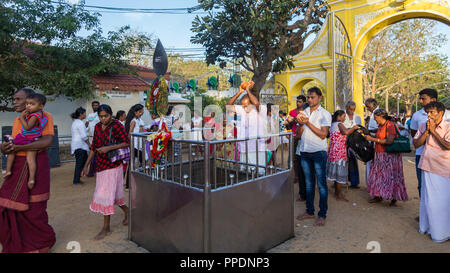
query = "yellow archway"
x=339 y=46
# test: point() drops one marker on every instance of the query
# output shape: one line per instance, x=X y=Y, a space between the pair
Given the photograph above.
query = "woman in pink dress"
x=337 y=164
x=386 y=180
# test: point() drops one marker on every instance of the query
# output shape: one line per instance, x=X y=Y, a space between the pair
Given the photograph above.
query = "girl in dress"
x=33 y=122
x=337 y=165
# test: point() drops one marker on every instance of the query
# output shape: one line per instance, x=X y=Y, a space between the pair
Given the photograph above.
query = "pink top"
x=434 y=158
x=293 y=113
x=338 y=144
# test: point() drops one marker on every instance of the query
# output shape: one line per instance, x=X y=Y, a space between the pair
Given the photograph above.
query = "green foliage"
x=39 y=48
x=262 y=35
x=206 y=100
x=402 y=60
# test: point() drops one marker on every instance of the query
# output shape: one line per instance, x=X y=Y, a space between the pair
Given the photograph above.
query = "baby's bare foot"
x=6 y=175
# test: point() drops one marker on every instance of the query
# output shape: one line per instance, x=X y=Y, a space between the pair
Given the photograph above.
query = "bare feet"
x=320 y=222
x=341 y=198
x=393 y=203
x=375 y=200
x=102 y=234
x=31 y=184
x=305 y=216
x=7 y=174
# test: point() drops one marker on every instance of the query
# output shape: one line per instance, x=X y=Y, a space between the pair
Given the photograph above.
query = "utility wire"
x=138 y=10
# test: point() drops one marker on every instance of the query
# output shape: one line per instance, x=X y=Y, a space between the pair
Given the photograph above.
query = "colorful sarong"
x=386 y=178
x=23 y=217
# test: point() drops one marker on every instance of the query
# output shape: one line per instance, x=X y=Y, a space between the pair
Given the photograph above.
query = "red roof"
x=120 y=82
x=148 y=73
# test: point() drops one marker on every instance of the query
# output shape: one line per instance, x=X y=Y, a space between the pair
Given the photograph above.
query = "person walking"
x=109 y=180
x=24 y=225
x=337 y=165
x=313 y=148
x=386 y=180
x=79 y=144
x=434 y=136
x=352 y=119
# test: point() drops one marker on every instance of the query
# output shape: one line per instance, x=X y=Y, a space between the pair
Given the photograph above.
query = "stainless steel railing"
x=214 y=163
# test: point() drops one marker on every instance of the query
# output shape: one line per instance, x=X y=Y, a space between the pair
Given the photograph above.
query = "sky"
x=174 y=29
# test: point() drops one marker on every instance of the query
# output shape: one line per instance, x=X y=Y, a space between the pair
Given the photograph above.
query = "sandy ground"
x=349 y=228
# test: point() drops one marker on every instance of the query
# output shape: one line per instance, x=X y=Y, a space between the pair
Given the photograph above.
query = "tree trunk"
x=260 y=81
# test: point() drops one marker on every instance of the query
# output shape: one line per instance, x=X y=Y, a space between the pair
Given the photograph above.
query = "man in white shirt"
x=425 y=97
x=313 y=150
x=371 y=106
x=92 y=120
x=352 y=119
x=250 y=124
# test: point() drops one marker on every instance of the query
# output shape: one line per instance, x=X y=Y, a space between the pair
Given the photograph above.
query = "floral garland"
x=153 y=99
x=157 y=144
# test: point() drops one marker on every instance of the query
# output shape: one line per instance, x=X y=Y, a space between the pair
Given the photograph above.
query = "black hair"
x=440 y=107
x=301 y=97
x=130 y=115
x=169 y=110
x=337 y=114
x=380 y=112
x=269 y=107
x=28 y=91
x=371 y=101
x=39 y=97
x=95 y=101
x=316 y=90
x=106 y=108
x=432 y=93
x=78 y=112
x=119 y=114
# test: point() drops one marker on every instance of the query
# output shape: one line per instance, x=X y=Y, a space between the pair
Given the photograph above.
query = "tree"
x=262 y=35
x=402 y=60
x=39 y=48
x=182 y=70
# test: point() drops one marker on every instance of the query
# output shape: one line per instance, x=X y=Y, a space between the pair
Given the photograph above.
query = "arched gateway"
x=335 y=57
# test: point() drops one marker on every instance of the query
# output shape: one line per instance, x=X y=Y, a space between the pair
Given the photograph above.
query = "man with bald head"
x=251 y=118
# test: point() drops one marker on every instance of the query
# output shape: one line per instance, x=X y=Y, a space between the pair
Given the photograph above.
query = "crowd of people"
x=319 y=161
x=321 y=155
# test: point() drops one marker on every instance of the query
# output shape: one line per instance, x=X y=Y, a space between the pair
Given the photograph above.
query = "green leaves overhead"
x=261 y=34
x=39 y=48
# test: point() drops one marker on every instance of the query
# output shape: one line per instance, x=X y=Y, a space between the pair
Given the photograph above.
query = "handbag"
x=362 y=149
x=400 y=145
x=118 y=154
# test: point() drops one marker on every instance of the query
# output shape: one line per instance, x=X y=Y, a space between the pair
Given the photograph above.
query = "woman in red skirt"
x=386 y=180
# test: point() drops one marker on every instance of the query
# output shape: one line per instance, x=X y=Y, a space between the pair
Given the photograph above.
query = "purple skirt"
x=386 y=178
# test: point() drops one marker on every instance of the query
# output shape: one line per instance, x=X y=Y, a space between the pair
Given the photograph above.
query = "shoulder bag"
x=117 y=154
x=400 y=145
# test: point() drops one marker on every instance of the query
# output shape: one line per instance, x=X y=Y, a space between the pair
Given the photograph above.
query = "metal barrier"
x=211 y=196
